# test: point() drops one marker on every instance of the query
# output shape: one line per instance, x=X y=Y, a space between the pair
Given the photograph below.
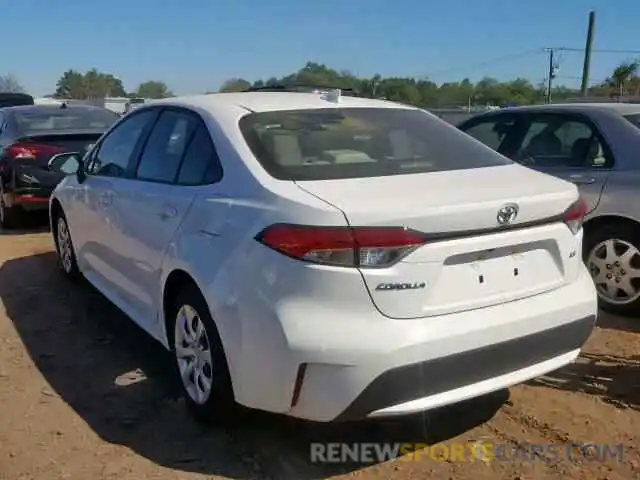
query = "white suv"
x=324 y=256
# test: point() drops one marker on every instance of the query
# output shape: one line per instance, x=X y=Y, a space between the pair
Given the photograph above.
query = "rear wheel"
x=199 y=359
x=612 y=255
x=8 y=215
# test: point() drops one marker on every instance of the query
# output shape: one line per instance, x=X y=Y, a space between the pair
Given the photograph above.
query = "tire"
x=65 y=251
x=9 y=216
x=615 y=271
x=217 y=406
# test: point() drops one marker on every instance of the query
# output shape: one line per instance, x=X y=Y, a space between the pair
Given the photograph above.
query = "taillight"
x=30 y=151
x=574 y=216
x=342 y=246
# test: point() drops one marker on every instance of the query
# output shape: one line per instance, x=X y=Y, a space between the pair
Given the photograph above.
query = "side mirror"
x=67 y=163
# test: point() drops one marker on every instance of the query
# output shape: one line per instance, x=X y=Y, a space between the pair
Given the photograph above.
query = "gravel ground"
x=85 y=395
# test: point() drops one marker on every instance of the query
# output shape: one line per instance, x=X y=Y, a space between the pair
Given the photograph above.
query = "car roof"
x=49 y=108
x=620 y=108
x=273 y=101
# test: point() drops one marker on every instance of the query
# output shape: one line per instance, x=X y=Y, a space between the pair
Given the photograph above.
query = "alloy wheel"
x=65 y=251
x=614 y=265
x=193 y=354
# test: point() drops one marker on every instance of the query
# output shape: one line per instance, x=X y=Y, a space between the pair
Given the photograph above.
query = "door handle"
x=581 y=179
x=167 y=212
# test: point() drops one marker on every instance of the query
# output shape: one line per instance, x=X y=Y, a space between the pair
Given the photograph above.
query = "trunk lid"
x=468 y=260
x=35 y=171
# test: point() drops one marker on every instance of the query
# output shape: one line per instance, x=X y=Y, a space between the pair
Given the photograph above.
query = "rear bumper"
x=28 y=198
x=359 y=363
x=424 y=385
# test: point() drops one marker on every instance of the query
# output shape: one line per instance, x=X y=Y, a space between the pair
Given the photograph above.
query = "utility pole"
x=584 y=88
x=551 y=74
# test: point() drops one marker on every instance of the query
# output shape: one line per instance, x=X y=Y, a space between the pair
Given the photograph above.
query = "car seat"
x=544 y=144
x=583 y=152
x=284 y=147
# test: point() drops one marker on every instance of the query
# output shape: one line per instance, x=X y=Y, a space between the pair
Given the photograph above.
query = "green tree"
x=234 y=85
x=153 y=89
x=92 y=84
x=622 y=75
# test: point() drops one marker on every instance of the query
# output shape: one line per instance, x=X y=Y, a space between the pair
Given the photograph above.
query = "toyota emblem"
x=507 y=214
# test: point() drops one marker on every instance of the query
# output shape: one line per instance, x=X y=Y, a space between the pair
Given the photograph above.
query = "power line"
x=595 y=50
x=505 y=58
x=526 y=54
x=569 y=77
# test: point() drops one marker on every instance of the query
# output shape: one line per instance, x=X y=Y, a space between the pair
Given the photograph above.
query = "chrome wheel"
x=193 y=354
x=615 y=267
x=65 y=252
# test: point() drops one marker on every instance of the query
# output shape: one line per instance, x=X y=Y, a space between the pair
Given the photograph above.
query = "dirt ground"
x=85 y=395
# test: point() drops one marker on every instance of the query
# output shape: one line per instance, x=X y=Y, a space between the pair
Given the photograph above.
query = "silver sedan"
x=597 y=147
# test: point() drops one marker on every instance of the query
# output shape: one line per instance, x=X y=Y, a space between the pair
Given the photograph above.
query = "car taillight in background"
x=574 y=216
x=342 y=246
x=28 y=151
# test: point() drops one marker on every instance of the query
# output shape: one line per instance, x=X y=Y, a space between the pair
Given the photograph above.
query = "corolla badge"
x=507 y=214
x=401 y=286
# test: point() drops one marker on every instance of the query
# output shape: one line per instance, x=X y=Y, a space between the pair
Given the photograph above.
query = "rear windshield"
x=44 y=119
x=15 y=99
x=323 y=144
x=635 y=119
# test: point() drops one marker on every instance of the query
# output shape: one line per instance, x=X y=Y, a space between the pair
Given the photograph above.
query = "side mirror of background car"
x=69 y=163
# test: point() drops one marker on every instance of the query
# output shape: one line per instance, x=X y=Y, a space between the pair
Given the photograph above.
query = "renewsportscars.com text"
x=461 y=452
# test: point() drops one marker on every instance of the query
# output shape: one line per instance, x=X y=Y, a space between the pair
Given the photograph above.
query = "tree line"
x=624 y=80
x=91 y=85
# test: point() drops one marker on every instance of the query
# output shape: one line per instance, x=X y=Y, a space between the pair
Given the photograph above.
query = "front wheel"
x=199 y=359
x=64 y=248
x=612 y=255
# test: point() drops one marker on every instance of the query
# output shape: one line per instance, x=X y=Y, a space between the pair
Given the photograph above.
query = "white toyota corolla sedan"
x=325 y=256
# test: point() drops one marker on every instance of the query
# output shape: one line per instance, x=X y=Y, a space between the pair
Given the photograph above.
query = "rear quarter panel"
x=620 y=196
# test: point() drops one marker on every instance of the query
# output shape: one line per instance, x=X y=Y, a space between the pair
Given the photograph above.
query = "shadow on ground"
x=615 y=322
x=117 y=379
x=615 y=379
x=35 y=222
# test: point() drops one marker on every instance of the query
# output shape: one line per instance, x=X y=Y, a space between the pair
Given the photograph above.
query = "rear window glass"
x=44 y=119
x=323 y=144
x=15 y=99
x=635 y=119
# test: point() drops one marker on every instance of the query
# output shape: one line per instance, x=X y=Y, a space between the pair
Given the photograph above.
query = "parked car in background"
x=132 y=104
x=29 y=136
x=596 y=146
x=326 y=257
x=14 y=99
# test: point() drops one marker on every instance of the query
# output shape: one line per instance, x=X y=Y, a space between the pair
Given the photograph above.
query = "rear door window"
x=200 y=164
x=166 y=146
x=562 y=141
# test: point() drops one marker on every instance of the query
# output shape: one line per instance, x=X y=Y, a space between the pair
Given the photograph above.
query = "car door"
x=565 y=145
x=151 y=208
x=90 y=211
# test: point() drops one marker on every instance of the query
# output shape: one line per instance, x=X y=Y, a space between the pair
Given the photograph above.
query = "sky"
x=194 y=45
